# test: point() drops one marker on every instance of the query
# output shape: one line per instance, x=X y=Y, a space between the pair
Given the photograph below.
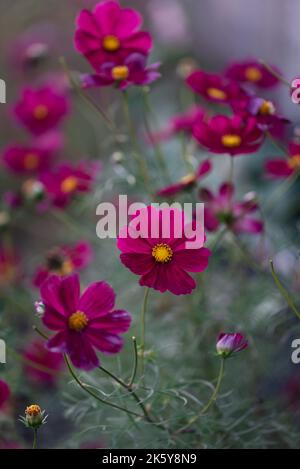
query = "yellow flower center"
x=78 y=321
x=32 y=410
x=40 y=112
x=267 y=108
x=231 y=140
x=188 y=179
x=162 y=253
x=216 y=93
x=294 y=161
x=67 y=267
x=111 y=43
x=253 y=74
x=69 y=184
x=120 y=72
x=31 y=161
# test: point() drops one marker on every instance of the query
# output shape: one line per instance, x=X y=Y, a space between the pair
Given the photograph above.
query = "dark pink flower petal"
x=248 y=225
x=204 y=168
x=4 y=392
x=278 y=168
x=128 y=23
x=107 y=15
x=139 y=42
x=58 y=343
x=117 y=321
x=98 y=299
x=53 y=319
x=138 y=263
x=192 y=260
x=81 y=352
x=86 y=22
x=106 y=342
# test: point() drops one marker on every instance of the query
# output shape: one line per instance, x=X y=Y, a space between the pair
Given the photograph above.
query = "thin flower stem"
x=34 y=443
x=210 y=402
x=231 y=169
x=135 y=362
x=218 y=239
x=275 y=142
x=143 y=325
x=139 y=157
x=184 y=153
x=282 y=190
x=95 y=396
x=275 y=74
x=42 y=334
x=285 y=294
x=130 y=390
x=82 y=95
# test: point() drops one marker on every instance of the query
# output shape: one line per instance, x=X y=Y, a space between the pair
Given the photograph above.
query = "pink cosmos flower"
x=48 y=364
x=65 y=181
x=162 y=262
x=4 y=393
x=234 y=135
x=263 y=110
x=188 y=181
x=110 y=33
x=32 y=157
x=282 y=168
x=228 y=343
x=41 y=109
x=214 y=87
x=252 y=71
x=132 y=71
x=183 y=122
x=83 y=322
x=237 y=216
x=64 y=260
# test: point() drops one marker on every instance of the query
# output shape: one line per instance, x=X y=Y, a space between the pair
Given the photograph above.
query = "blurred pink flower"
x=284 y=167
x=169 y=22
x=234 y=135
x=188 y=181
x=4 y=393
x=41 y=109
x=64 y=260
x=229 y=343
x=214 y=87
x=83 y=322
x=264 y=111
x=48 y=364
x=252 y=71
x=222 y=209
x=131 y=71
x=110 y=33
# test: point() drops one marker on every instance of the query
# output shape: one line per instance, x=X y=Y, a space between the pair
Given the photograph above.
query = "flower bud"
x=34 y=416
x=227 y=344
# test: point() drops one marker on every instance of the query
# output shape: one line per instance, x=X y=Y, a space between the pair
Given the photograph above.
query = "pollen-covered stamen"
x=78 y=321
x=216 y=93
x=69 y=184
x=40 y=112
x=33 y=410
x=231 y=140
x=253 y=74
x=31 y=161
x=111 y=43
x=162 y=253
x=120 y=72
x=294 y=162
x=267 y=108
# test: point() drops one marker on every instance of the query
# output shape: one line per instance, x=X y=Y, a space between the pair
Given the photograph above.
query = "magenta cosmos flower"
x=251 y=71
x=188 y=181
x=110 y=33
x=33 y=157
x=264 y=111
x=132 y=71
x=222 y=209
x=183 y=122
x=48 y=364
x=4 y=393
x=42 y=109
x=162 y=262
x=228 y=343
x=282 y=168
x=214 y=88
x=64 y=260
x=65 y=181
x=83 y=322
x=234 y=135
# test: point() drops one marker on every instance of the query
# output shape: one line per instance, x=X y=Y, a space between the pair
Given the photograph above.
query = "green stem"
x=282 y=190
x=34 y=443
x=285 y=294
x=211 y=400
x=143 y=325
x=134 y=141
x=276 y=144
x=95 y=396
x=135 y=362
